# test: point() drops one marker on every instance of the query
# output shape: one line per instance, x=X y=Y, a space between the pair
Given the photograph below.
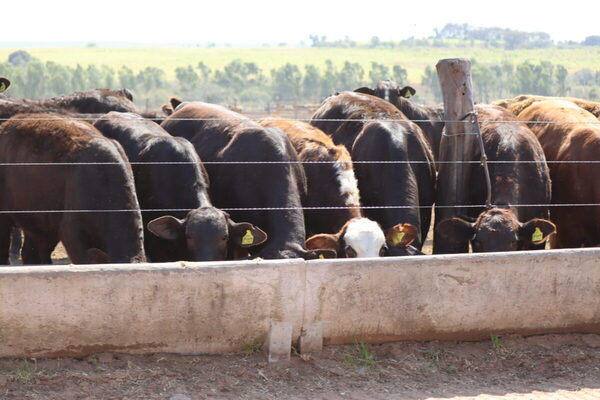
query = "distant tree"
x=311 y=82
x=399 y=74
x=187 y=77
x=127 y=78
x=561 y=75
x=287 y=81
x=19 y=57
x=378 y=72
x=351 y=76
x=592 y=41
x=430 y=81
x=329 y=83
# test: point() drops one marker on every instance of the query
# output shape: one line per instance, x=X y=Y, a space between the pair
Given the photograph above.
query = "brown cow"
x=519 y=175
x=89 y=236
x=521 y=102
x=576 y=137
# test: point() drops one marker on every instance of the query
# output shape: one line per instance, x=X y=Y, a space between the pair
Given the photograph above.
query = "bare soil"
x=548 y=364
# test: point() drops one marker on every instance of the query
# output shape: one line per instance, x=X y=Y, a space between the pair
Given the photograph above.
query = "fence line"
x=296 y=119
x=32 y=164
x=293 y=208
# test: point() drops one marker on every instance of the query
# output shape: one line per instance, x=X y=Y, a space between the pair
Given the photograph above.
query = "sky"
x=269 y=21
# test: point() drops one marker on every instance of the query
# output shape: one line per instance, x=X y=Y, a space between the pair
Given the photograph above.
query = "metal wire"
x=296 y=119
x=288 y=208
x=30 y=164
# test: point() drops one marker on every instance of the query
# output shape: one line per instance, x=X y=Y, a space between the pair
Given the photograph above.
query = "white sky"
x=270 y=21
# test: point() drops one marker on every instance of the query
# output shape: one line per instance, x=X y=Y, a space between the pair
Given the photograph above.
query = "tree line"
x=247 y=85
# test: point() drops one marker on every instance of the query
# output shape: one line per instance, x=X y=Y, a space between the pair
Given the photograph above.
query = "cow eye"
x=350 y=252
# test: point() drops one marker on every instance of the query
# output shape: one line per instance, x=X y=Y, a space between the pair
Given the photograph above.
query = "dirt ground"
x=552 y=366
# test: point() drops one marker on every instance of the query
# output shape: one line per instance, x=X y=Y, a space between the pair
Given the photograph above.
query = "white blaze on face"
x=365 y=237
x=348 y=184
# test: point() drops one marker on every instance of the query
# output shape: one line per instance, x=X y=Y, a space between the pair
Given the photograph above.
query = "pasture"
x=414 y=59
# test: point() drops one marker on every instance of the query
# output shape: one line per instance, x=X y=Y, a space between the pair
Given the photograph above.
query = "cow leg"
x=5 y=227
x=38 y=249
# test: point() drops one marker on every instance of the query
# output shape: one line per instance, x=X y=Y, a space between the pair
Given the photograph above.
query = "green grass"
x=360 y=356
x=413 y=59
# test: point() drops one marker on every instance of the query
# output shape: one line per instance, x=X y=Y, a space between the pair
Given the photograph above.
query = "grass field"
x=413 y=59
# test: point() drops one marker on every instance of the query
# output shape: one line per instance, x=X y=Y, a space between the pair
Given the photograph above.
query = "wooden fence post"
x=453 y=179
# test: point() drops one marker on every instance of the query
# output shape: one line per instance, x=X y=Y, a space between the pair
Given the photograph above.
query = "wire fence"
x=258 y=162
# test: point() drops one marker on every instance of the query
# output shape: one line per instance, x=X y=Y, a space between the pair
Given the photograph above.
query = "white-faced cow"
x=392 y=159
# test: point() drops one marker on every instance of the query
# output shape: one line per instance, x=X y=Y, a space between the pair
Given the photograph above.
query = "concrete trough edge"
x=221 y=307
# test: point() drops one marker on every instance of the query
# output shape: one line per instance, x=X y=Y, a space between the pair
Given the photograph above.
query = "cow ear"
x=406 y=92
x=97 y=256
x=126 y=93
x=167 y=227
x=455 y=229
x=244 y=234
x=400 y=235
x=536 y=231
x=167 y=109
x=365 y=90
x=323 y=241
x=175 y=101
x=4 y=84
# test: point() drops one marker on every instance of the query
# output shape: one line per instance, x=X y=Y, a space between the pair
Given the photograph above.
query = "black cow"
x=221 y=135
x=199 y=232
x=378 y=131
x=91 y=234
x=504 y=227
x=430 y=119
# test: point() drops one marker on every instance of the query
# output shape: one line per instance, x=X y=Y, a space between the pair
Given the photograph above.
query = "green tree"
x=351 y=76
x=311 y=82
x=287 y=82
x=378 y=72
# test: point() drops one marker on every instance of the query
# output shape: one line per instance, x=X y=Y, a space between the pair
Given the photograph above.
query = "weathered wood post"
x=458 y=147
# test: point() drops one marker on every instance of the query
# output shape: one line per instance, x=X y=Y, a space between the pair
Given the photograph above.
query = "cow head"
x=361 y=237
x=496 y=229
x=209 y=233
x=4 y=84
x=389 y=91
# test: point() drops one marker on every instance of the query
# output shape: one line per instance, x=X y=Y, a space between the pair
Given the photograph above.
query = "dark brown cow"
x=576 y=137
x=401 y=192
x=504 y=227
x=199 y=232
x=221 y=135
x=429 y=119
x=77 y=104
x=89 y=236
x=518 y=104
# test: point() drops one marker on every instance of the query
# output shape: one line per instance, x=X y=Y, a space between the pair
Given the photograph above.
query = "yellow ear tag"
x=2 y=87
x=248 y=238
x=537 y=235
x=398 y=238
x=321 y=256
x=407 y=94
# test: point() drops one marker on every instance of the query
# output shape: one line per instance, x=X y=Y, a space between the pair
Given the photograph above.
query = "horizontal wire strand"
x=291 y=208
x=298 y=119
x=29 y=164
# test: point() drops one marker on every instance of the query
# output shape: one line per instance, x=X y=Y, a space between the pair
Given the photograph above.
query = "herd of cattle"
x=197 y=181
